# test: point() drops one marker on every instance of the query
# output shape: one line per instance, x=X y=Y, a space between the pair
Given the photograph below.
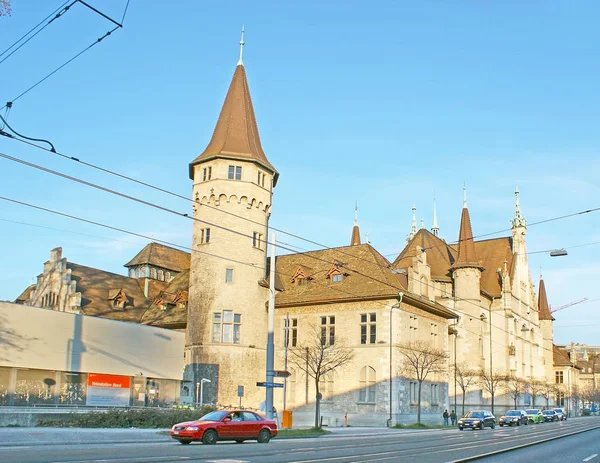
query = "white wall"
x=32 y=337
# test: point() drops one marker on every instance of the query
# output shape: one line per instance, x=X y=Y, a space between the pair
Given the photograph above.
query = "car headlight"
x=192 y=428
x=460 y=421
x=476 y=422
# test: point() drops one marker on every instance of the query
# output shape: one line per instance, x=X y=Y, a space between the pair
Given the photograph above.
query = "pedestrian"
x=445 y=415
x=453 y=418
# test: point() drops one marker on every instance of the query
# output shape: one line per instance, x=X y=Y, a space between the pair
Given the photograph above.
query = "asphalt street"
x=344 y=445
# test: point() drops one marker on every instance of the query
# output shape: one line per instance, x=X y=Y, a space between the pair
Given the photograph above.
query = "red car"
x=237 y=425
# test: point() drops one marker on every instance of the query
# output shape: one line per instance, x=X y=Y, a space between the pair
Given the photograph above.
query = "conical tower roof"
x=543 y=308
x=236 y=133
x=466 y=247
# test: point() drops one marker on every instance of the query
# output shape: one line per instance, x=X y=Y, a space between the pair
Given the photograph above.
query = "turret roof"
x=467 y=257
x=236 y=133
x=543 y=308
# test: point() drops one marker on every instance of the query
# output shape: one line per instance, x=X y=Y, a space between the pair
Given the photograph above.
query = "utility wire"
x=125 y=12
x=58 y=12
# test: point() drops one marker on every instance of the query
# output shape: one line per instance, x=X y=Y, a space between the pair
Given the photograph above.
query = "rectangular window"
x=368 y=328
x=291 y=334
x=326 y=387
x=435 y=394
x=261 y=178
x=234 y=173
x=337 y=278
x=204 y=235
x=413 y=392
x=206 y=173
x=257 y=240
x=226 y=327
x=412 y=326
x=434 y=335
x=229 y=275
x=559 y=376
x=328 y=330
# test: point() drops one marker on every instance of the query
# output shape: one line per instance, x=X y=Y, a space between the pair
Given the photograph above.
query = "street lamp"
x=200 y=384
x=395 y=306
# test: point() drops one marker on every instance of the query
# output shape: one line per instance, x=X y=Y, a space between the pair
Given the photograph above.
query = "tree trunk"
x=515 y=402
x=493 y=394
x=317 y=405
x=419 y=403
x=532 y=400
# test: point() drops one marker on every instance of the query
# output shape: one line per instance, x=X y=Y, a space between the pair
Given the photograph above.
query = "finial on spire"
x=413 y=226
x=422 y=223
x=367 y=237
x=519 y=220
x=356 y=213
x=434 y=228
x=464 y=195
x=240 y=62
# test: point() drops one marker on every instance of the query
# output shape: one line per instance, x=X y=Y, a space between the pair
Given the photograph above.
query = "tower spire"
x=413 y=226
x=434 y=228
x=543 y=307
x=240 y=62
x=466 y=246
x=464 y=195
x=519 y=220
x=355 y=240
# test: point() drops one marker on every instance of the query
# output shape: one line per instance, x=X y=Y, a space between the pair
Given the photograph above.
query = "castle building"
x=473 y=300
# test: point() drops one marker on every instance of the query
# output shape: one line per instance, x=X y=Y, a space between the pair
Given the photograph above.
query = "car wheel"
x=493 y=425
x=264 y=436
x=460 y=428
x=503 y=425
x=185 y=441
x=210 y=437
x=239 y=441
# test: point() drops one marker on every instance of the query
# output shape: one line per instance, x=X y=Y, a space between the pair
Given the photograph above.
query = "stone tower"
x=546 y=320
x=466 y=275
x=227 y=318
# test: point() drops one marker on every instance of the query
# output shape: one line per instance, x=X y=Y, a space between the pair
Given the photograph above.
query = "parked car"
x=237 y=425
x=562 y=414
x=477 y=419
x=514 y=418
x=550 y=415
x=535 y=415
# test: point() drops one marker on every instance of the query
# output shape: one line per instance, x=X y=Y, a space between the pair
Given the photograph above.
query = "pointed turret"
x=466 y=247
x=434 y=228
x=355 y=240
x=236 y=133
x=543 y=308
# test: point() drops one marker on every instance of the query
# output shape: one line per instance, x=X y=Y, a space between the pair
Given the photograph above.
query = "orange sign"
x=110 y=381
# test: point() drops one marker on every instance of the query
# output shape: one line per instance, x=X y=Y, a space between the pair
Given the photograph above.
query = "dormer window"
x=337 y=278
x=302 y=275
x=336 y=274
x=234 y=173
x=118 y=298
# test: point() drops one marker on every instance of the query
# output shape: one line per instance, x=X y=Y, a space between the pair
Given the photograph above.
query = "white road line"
x=591 y=457
x=15 y=447
x=143 y=459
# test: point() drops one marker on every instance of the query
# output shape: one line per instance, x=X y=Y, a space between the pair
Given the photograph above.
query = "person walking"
x=453 y=417
x=445 y=416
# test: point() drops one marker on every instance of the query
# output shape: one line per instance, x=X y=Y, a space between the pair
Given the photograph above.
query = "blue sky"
x=386 y=103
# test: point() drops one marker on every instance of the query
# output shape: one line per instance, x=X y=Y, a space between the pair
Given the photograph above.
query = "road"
x=344 y=445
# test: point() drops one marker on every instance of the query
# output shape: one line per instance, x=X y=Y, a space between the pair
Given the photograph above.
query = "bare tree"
x=516 y=387
x=465 y=378
x=547 y=390
x=421 y=359
x=536 y=388
x=320 y=355
x=492 y=382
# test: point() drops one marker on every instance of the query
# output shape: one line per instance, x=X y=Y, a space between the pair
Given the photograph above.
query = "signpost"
x=269 y=384
x=281 y=374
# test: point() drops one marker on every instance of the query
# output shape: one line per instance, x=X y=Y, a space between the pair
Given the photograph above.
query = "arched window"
x=161 y=275
x=367 y=385
x=153 y=273
x=167 y=276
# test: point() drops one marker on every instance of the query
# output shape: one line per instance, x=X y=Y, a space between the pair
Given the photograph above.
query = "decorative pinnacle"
x=422 y=223
x=356 y=213
x=464 y=195
x=519 y=220
x=434 y=228
x=240 y=62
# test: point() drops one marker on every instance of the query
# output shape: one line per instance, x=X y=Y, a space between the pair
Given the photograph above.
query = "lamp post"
x=200 y=384
x=395 y=306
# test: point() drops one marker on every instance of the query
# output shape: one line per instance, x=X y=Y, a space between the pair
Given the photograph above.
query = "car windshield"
x=512 y=413
x=548 y=412
x=474 y=415
x=214 y=416
x=532 y=412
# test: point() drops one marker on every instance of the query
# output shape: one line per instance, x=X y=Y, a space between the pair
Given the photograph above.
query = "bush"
x=129 y=418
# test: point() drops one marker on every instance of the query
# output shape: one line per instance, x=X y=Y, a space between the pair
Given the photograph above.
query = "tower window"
x=204 y=235
x=226 y=327
x=229 y=275
x=161 y=275
x=261 y=178
x=235 y=173
x=257 y=240
x=153 y=273
x=206 y=173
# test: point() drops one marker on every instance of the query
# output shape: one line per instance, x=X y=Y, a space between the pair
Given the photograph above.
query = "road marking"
x=591 y=457
x=227 y=461
x=14 y=447
x=143 y=459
